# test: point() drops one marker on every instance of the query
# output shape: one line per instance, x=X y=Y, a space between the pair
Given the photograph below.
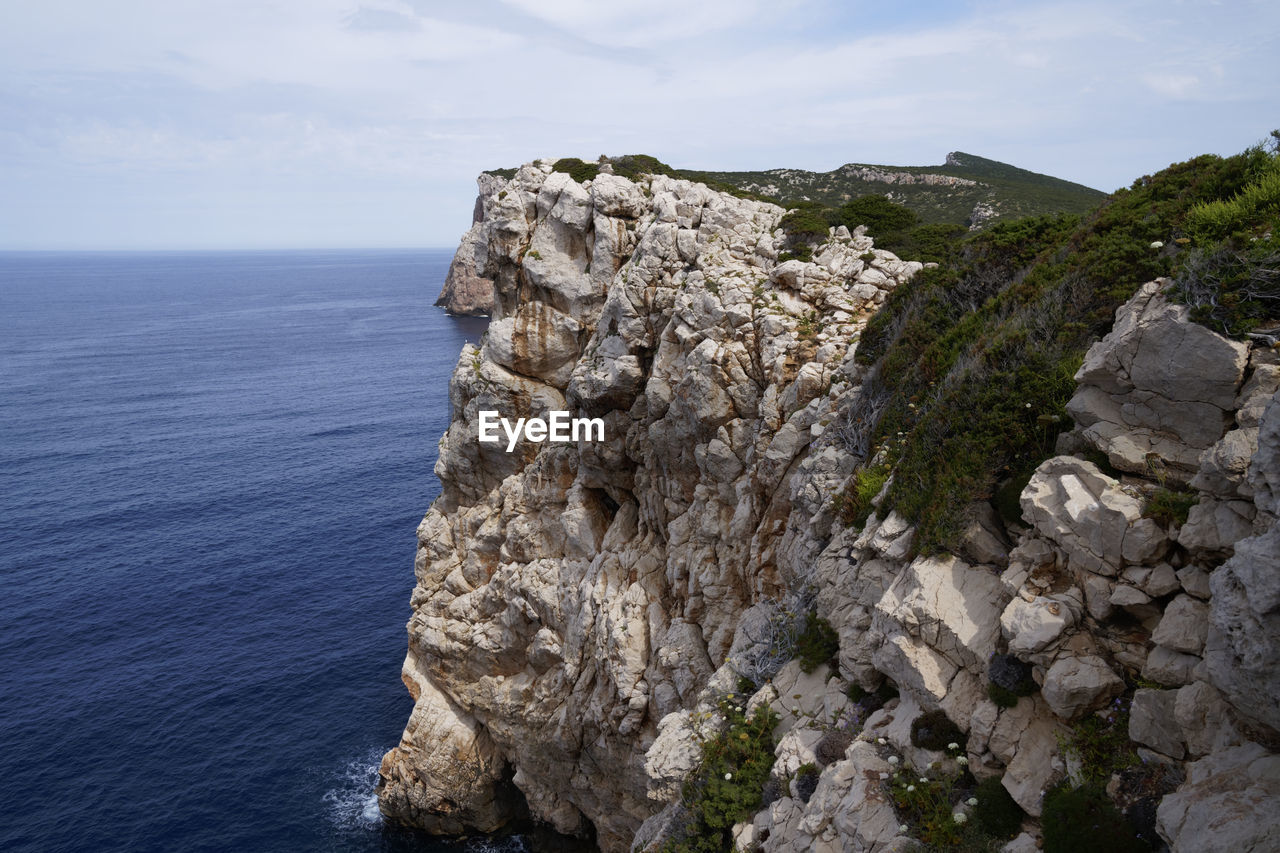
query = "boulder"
x=1227 y=804
x=1031 y=626
x=1243 y=646
x=1152 y=721
x=1184 y=626
x=1085 y=512
x=1074 y=686
x=1157 y=390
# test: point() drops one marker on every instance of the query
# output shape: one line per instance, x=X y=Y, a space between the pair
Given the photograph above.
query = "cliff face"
x=581 y=608
x=466 y=289
x=571 y=596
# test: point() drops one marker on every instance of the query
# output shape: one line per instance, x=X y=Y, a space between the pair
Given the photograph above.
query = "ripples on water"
x=211 y=469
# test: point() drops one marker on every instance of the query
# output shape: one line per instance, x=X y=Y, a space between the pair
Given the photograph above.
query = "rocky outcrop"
x=1158 y=390
x=583 y=608
x=571 y=597
x=466 y=289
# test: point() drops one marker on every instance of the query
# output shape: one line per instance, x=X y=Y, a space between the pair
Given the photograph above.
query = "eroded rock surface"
x=582 y=608
x=571 y=597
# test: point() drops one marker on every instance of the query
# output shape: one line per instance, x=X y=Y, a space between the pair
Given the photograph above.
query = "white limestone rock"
x=1074 y=686
x=1158 y=389
x=1031 y=626
x=1152 y=721
x=1083 y=511
x=1184 y=626
x=1226 y=805
x=1243 y=647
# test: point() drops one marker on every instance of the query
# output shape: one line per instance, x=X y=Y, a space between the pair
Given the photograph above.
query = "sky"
x=174 y=124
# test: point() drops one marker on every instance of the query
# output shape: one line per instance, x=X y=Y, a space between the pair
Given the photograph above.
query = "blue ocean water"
x=211 y=469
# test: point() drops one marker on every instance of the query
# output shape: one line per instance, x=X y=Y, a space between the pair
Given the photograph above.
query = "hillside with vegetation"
x=965 y=190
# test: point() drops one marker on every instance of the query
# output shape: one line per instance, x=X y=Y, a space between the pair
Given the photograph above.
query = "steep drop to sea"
x=588 y=617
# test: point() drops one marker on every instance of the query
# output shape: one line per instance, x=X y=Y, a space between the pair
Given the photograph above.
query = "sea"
x=212 y=466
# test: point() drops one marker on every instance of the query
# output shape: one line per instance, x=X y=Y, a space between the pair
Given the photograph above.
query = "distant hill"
x=967 y=189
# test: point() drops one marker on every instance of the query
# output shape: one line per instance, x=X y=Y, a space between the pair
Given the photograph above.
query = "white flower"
x=904 y=829
x=973 y=801
x=923 y=781
x=953 y=744
x=910 y=788
x=1027 y=406
x=962 y=761
x=959 y=817
x=893 y=759
x=1157 y=244
x=728 y=776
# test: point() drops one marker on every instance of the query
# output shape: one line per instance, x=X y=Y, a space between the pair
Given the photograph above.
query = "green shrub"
x=805 y=224
x=1080 y=819
x=1008 y=497
x=634 y=166
x=978 y=356
x=1100 y=743
x=1257 y=202
x=878 y=213
x=933 y=807
x=729 y=784
x=1002 y=697
x=1169 y=506
x=807 y=781
x=817 y=644
x=576 y=169
x=997 y=812
x=799 y=253
x=1012 y=674
x=934 y=730
x=855 y=505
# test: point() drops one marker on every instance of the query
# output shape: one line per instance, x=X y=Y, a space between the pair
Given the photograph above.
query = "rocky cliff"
x=583 y=610
x=466 y=290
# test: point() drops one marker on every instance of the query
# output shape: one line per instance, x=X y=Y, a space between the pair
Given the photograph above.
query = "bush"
x=855 y=504
x=1168 y=506
x=817 y=644
x=806 y=781
x=1100 y=742
x=1012 y=674
x=934 y=730
x=805 y=224
x=978 y=356
x=1003 y=698
x=1233 y=288
x=1257 y=202
x=832 y=747
x=576 y=169
x=771 y=793
x=729 y=784
x=1077 y=819
x=878 y=213
x=997 y=812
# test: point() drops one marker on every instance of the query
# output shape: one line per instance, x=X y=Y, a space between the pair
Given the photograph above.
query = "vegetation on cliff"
x=966 y=190
x=971 y=363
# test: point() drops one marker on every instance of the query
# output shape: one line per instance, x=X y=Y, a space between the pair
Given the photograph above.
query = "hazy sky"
x=300 y=123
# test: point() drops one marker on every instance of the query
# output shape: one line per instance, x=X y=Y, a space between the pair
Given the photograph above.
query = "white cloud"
x=336 y=92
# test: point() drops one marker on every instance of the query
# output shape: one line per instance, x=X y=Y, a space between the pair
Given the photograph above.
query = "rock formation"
x=466 y=289
x=581 y=608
